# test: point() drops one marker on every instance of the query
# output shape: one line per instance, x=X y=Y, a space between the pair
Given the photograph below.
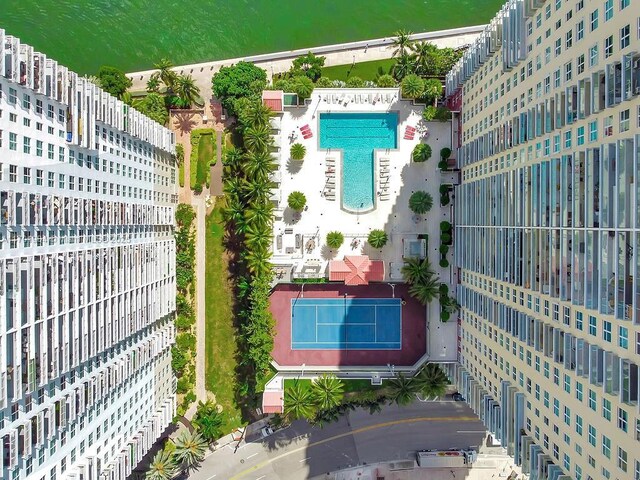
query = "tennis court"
x=346 y=324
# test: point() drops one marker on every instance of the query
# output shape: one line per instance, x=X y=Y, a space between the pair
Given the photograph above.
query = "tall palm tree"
x=162 y=467
x=153 y=84
x=402 y=390
x=258 y=115
x=405 y=65
x=258 y=261
x=377 y=238
x=401 y=42
x=232 y=158
x=258 y=237
x=298 y=402
x=259 y=165
x=335 y=239
x=257 y=190
x=186 y=89
x=420 y=202
x=424 y=53
x=190 y=450
x=297 y=151
x=327 y=391
x=165 y=73
x=415 y=270
x=426 y=290
x=260 y=214
x=431 y=381
x=208 y=420
x=234 y=211
x=257 y=137
x=296 y=201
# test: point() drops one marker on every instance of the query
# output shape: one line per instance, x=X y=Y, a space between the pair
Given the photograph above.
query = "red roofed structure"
x=356 y=270
x=272 y=401
x=273 y=99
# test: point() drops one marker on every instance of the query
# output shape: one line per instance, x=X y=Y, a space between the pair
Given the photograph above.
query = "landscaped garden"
x=203 y=155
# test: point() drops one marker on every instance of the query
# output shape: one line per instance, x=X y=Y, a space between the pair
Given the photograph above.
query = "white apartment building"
x=87 y=274
x=547 y=234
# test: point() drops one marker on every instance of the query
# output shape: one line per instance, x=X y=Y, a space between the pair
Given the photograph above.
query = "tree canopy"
x=243 y=79
x=113 y=80
x=153 y=106
x=309 y=65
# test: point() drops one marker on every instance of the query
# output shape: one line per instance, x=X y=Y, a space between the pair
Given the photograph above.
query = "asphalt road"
x=300 y=451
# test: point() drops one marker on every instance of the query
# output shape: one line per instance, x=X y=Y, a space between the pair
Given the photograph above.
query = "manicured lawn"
x=364 y=70
x=181 y=174
x=203 y=152
x=220 y=347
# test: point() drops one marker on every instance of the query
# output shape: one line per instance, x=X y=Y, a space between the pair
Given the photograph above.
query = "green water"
x=133 y=34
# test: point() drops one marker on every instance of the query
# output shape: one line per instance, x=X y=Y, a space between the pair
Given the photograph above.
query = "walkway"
x=338 y=54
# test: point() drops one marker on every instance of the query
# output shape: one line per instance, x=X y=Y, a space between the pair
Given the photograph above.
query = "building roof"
x=273 y=99
x=356 y=270
x=273 y=401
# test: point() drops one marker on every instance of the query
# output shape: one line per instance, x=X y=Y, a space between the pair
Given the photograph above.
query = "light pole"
x=393 y=290
x=302 y=290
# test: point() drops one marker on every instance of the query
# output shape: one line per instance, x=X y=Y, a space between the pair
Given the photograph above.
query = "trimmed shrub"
x=297 y=151
x=429 y=113
x=296 y=201
x=183 y=385
x=444 y=189
x=444 y=263
x=421 y=153
x=377 y=238
x=445 y=238
x=355 y=82
x=444 y=249
x=445 y=226
x=444 y=316
x=412 y=86
x=443 y=289
x=386 y=81
x=445 y=153
x=324 y=82
x=443 y=165
x=335 y=240
x=420 y=202
x=444 y=199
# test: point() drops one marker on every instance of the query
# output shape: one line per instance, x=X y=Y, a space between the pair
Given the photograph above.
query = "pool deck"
x=413 y=328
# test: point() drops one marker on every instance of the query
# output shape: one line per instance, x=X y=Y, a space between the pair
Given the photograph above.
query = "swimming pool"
x=358 y=135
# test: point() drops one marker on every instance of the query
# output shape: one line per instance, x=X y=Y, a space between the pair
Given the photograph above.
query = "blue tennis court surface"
x=346 y=324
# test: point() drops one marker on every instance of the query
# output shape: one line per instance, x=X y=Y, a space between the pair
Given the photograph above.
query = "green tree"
x=190 y=450
x=335 y=240
x=257 y=190
x=386 y=81
x=412 y=86
x=113 y=80
x=424 y=52
x=426 y=290
x=297 y=201
x=401 y=42
x=429 y=113
x=297 y=151
x=258 y=237
x=298 y=402
x=153 y=84
x=259 y=165
x=302 y=86
x=260 y=214
x=162 y=467
x=327 y=391
x=431 y=381
x=416 y=270
x=421 y=153
x=432 y=89
x=208 y=420
x=257 y=137
x=420 y=202
x=377 y=238
x=186 y=90
x=445 y=153
x=236 y=81
x=152 y=105
x=257 y=115
x=309 y=65
x=165 y=72
x=405 y=65
x=355 y=82
x=402 y=390
x=258 y=261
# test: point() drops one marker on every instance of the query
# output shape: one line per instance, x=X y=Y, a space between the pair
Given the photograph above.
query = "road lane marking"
x=252 y=455
x=259 y=478
x=304 y=459
x=212 y=476
x=353 y=432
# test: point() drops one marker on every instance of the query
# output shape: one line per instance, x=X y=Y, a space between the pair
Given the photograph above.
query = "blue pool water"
x=357 y=135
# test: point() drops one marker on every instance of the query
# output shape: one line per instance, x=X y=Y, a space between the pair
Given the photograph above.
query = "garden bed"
x=203 y=155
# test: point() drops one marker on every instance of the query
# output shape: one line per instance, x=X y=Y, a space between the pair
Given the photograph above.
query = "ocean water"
x=133 y=34
x=358 y=135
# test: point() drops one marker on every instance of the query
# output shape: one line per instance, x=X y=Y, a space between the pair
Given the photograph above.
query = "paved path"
x=338 y=54
x=198 y=203
x=300 y=451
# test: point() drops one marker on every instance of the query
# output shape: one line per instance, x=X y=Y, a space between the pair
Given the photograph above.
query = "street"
x=300 y=451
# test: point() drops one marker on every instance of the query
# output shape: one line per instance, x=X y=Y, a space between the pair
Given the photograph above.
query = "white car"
x=266 y=431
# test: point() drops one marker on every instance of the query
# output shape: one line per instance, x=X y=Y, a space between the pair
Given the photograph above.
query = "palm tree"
x=153 y=84
x=257 y=190
x=297 y=201
x=186 y=90
x=258 y=115
x=404 y=66
x=162 y=467
x=415 y=270
x=335 y=240
x=327 y=391
x=190 y=450
x=402 y=390
x=425 y=53
x=421 y=153
x=260 y=214
x=377 y=238
x=233 y=186
x=208 y=420
x=412 y=86
x=165 y=73
x=259 y=165
x=298 y=402
x=232 y=158
x=426 y=290
x=257 y=137
x=401 y=43
x=234 y=211
x=257 y=237
x=431 y=381
x=420 y=202
x=258 y=262
x=298 y=151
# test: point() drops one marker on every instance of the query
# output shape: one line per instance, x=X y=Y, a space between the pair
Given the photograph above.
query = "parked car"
x=458 y=397
x=266 y=431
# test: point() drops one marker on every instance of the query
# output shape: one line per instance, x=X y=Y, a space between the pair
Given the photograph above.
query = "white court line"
x=212 y=476
x=304 y=459
x=259 y=478
x=252 y=455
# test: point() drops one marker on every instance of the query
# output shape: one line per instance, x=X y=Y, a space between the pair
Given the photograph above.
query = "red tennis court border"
x=413 y=327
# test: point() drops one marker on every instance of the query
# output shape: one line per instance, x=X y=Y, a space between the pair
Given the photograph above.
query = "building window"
x=26 y=145
x=578 y=424
x=606 y=446
x=622 y=459
x=580 y=64
x=593 y=330
x=13 y=141
x=26 y=176
x=579 y=391
x=623 y=337
x=558 y=48
x=622 y=419
x=625 y=35
x=608 y=46
x=608 y=10
x=568 y=71
x=567 y=415
x=13 y=96
x=567 y=139
x=556 y=407
x=592 y=400
x=13 y=173
x=593 y=56
x=593 y=131
x=624 y=4
x=50 y=112
x=580 y=30
x=580 y=140
x=624 y=120
x=606 y=331
x=547 y=12
x=591 y=434
x=26 y=101
x=594 y=19
x=569 y=39
x=606 y=409
x=50 y=179
x=566 y=461
x=567 y=383
x=39 y=148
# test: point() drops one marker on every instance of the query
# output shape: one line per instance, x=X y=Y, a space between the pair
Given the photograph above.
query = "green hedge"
x=180 y=160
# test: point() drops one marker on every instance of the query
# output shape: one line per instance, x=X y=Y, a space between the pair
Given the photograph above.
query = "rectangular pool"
x=358 y=135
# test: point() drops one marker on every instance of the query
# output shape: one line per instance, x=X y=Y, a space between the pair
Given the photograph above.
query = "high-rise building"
x=87 y=277
x=547 y=234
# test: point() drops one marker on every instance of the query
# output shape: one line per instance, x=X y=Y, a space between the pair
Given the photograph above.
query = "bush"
x=355 y=82
x=335 y=240
x=444 y=199
x=445 y=226
x=445 y=238
x=412 y=86
x=421 y=153
x=324 y=82
x=420 y=202
x=444 y=189
x=377 y=238
x=302 y=86
x=442 y=114
x=183 y=306
x=179 y=360
x=444 y=249
x=183 y=385
x=297 y=151
x=443 y=165
x=444 y=316
x=386 y=81
x=186 y=341
x=190 y=397
x=443 y=289
x=429 y=113
x=445 y=153
x=184 y=322
x=197 y=188
x=444 y=263
x=113 y=80
x=297 y=201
